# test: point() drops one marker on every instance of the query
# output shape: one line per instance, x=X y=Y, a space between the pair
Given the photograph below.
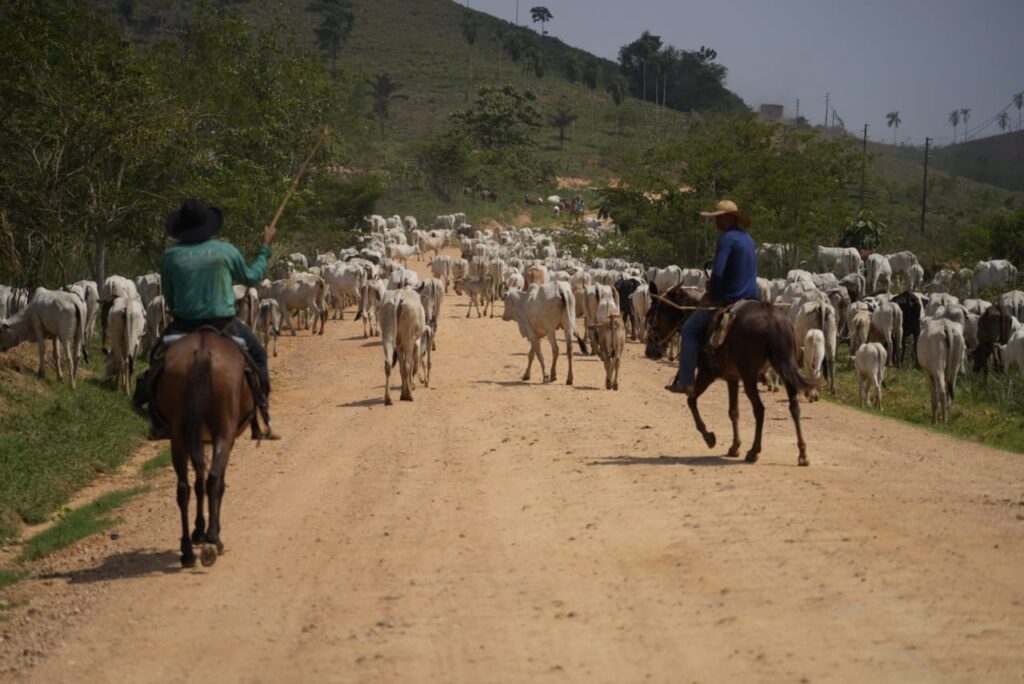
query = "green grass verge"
x=54 y=441
x=9 y=576
x=157 y=464
x=79 y=524
x=990 y=413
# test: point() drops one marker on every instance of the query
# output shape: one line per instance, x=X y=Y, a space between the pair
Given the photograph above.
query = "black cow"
x=910 y=305
x=626 y=287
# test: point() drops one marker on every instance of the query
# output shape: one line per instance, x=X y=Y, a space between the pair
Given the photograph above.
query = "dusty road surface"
x=500 y=531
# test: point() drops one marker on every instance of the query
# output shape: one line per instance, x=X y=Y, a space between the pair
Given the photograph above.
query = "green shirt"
x=196 y=279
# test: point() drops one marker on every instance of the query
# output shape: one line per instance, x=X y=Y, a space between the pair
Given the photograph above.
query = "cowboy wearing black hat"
x=196 y=277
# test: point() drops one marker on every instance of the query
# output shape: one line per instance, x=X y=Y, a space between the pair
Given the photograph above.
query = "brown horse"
x=202 y=394
x=760 y=335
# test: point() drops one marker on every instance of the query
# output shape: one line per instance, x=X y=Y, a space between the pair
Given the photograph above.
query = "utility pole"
x=827 y=95
x=864 y=167
x=517 y=13
x=924 y=189
x=797 y=109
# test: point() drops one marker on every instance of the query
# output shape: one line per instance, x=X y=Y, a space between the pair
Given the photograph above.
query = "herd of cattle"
x=839 y=295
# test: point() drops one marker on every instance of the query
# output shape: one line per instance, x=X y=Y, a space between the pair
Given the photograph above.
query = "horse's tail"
x=782 y=356
x=199 y=403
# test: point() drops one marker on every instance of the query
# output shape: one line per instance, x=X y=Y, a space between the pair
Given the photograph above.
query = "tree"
x=1018 y=102
x=893 y=122
x=543 y=16
x=336 y=22
x=1003 y=120
x=562 y=118
x=383 y=91
x=965 y=116
x=469 y=29
x=573 y=73
x=954 y=118
x=864 y=231
x=517 y=44
x=591 y=73
x=535 y=61
x=500 y=31
x=501 y=117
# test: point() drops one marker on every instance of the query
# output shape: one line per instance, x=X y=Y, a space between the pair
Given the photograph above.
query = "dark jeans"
x=236 y=328
x=693 y=332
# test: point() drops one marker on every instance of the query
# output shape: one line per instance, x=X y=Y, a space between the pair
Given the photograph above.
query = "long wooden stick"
x=299 y=175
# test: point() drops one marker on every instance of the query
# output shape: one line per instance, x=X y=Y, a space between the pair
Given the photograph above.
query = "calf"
x=431 y=293
x=540 y=312
x=369 y=306
x=441 y=267
x=247 y=301
x=611 y=344
x=478 y=288
x=641 y=302
x=126 y=325
x=869 y=362
x=50 y=315
x=268 y=322
x=157 y=320
x=1012 y=353
x=940 y=352
x=995 y=326
x=402 y=325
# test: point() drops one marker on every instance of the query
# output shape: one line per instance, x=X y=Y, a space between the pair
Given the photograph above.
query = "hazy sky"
x=923 y=58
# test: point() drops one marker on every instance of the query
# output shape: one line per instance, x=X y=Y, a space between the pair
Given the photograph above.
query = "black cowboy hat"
x=194 y=222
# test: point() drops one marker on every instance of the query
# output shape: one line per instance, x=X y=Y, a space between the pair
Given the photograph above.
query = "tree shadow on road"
x=667 y=460
x=127 y=565
x=362 y=403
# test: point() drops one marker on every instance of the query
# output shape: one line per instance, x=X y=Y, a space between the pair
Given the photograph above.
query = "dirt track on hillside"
x=494 y=530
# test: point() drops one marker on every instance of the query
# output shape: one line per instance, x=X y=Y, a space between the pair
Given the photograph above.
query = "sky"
x=922 y=58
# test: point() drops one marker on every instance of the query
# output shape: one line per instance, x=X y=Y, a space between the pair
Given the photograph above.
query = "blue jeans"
x=694 y=332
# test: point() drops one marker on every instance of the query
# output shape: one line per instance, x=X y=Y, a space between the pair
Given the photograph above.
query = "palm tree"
x=894 y=123
x=965 y=116
x=1018 y=102
x=383 y=90
x=499 y=33
x=469 y=27
x=618 y=89
x=573 y=73
x=562 y=118
x=542 y=15
x=1003 y=120
x=954 y=118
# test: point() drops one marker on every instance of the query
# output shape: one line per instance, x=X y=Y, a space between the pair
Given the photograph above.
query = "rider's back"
x=196 y=278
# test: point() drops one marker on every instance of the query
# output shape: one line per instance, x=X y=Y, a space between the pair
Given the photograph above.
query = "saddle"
x=721 y=324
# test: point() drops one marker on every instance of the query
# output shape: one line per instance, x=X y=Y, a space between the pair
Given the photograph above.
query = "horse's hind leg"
x=704 y=380
x=750 y=389
x=215 y=491
x=794 y=410
x=734 y=416
x=199 y=532
x=180 y=459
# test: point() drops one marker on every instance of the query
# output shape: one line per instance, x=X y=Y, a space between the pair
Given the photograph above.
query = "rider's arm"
x=245 y=274
x=718 y=270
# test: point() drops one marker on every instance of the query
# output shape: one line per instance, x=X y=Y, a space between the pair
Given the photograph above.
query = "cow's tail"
x=954 y=355
x=363 y=293
x=398 y=323
x=126 y=349
x=79 y=336
x=782 y=356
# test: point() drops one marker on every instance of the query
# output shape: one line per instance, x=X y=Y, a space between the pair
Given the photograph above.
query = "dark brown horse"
x=202 y=394
x=761 y=334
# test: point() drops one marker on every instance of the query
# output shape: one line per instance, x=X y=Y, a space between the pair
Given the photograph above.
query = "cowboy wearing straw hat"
x=734 y=277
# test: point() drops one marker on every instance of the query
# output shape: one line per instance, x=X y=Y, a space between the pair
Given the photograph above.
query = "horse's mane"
x=682 y=294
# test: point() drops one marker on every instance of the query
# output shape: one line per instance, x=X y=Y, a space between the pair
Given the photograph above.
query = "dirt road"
x=494 y=530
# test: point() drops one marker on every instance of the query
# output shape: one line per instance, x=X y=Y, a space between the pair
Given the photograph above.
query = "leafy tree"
x=864 y=231
x=384 y=90
x=591 y=73
x=954 y=118
x=893 y=122
x=500 y=33
x=336 y=23
x=541 y=15
x=562 y=118
x=1018 y=102
x=469 y=30
x=1007 y=230
x=501 y=117
x=617 y=90
x=573 y=73
x=1003 y=120
x=535 y=61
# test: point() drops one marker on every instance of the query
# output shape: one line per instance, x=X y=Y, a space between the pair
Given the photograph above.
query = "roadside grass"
x=157 y=464
x=985 y=412
x=54 y=441
x=9 y=576
x=79 y=524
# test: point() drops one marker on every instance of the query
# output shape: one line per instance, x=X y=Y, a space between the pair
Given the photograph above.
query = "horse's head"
x=663 y=319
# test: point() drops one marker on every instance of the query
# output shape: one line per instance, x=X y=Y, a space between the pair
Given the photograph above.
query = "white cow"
x=369 y=306
x=268 y=322
x=431 y=293
x=403 y=252
x=1012 y=353
x=344 y=283
x=878 y=271
x=611 y=343
x=298 y=259
x=887 y=328
x=940 y=352
x=814 y=356
x=869 y=362
x=247 y=301
x=997 y=274
x=479 y=289
x=1014 y=301
x=302 y=293
x=540 y=312
x=641 y=305
x=126 y=325
x=50 y=315
x=148 y=287
x=839 y=260
x=402 y=324
x=91 y=294
x=157 y=320
x=441 y=267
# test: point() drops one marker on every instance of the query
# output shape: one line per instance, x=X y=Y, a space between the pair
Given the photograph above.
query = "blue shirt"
x=734 y=276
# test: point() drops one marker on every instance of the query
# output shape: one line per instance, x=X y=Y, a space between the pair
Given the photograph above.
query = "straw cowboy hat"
x=729 y=207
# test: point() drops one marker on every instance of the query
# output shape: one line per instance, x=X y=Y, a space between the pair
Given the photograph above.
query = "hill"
x=997 y=160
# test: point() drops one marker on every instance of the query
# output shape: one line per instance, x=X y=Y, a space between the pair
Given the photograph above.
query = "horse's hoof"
x=208 y=556
x=198 y=537
x=387 y=401
x=752 y=456
x=188 y=561
x=803 y=461
x=734 y=452
x=526 y=378
x=710 y=440
x=406 y=398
